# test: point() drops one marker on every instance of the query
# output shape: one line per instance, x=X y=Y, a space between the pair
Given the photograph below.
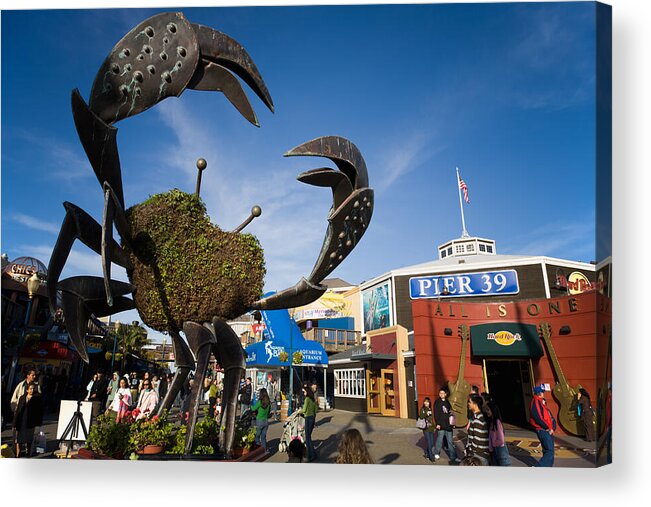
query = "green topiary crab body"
x=187 y=269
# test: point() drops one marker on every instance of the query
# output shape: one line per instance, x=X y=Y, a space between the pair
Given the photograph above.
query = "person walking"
x=477 y=430
x=99 y=390
x=544 y=423
x=262 y=407
x=444 y=426
x=246 y=394
x=121 y=402
x=586 y=414
x=21 y=388
x=113 y=386
x=426 y=423
x=89 y=387
x=352 y=449
x=147 y=401
x=499 y=453
x=309 y=410
x=28 y=415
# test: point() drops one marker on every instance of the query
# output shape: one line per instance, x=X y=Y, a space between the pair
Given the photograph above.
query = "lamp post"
x=291 y=369
x=33 y=284
x=115 y=343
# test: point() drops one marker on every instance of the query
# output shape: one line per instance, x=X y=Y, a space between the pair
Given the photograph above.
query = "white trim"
x=548 y=293
x=408 y=353
x=492 y=261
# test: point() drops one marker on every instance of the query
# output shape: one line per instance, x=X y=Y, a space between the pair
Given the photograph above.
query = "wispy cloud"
x=65 y=164
x=574 y=240
x=404 y=157
x=35 y=223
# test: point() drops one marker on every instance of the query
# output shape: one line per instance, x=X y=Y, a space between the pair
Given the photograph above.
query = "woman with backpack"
x=426 y=424
x=262 y=407
x=499 y=453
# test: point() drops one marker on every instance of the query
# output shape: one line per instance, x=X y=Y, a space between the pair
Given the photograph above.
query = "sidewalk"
x=397 y=441
x=392 y=441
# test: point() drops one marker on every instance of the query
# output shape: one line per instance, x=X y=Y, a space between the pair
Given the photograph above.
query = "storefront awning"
x=505 y=339
x=281 y=334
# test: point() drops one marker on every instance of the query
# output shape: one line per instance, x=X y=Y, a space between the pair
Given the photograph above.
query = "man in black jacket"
x=98 y=391
x=442 y=413
x=246 y=393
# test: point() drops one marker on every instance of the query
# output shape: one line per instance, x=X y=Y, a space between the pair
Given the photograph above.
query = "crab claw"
x=348 y=219
x=219 y=56
x=352 y=206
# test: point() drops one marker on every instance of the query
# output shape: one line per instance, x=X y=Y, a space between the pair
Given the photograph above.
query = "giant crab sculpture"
x=160 y=58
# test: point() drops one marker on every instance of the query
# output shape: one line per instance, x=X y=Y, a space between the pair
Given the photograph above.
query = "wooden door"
x=373 y=392
x=387 y=393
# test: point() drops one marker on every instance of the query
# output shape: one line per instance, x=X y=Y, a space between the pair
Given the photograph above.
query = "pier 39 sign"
x=487 y=283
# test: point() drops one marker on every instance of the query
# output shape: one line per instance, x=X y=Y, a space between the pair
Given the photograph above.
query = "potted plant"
x=108 y=437
x=150 y=436
x=283 y=356
x=244 y=440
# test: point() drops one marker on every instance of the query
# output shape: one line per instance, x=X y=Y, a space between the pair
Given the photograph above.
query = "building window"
x=482 y=248
x=443 y=254
x=459 y=248
x=470 y=248
x=489 y=248
x=350 y=383
x=450 y=251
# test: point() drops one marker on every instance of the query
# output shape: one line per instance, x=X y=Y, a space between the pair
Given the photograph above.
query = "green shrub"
x=185 y=268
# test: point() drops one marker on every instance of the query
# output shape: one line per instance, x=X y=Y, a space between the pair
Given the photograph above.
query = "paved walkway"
x=394 y=441
x=398 y=441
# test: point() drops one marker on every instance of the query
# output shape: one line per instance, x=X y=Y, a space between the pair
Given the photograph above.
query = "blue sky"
x=505 y=92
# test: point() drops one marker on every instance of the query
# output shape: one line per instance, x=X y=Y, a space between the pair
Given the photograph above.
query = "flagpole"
x=464 y=233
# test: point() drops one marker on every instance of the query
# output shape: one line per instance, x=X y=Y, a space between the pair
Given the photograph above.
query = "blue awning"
x=281 y=333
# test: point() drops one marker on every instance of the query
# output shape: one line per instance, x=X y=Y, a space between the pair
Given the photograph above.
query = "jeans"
x=547 y=442
x=452 y=453
x=261 y=426
x=429 y=437
x=500 y=457
x=309 y=426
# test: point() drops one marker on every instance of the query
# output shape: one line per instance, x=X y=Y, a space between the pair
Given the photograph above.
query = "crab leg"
x=184 y=362
x=232 y=359
x=112 y=211
x=200 y=339
x=83 y=296
x=78 y=224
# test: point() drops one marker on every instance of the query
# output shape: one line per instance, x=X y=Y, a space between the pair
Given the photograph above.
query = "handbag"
x=453 y=419
x=421 y=424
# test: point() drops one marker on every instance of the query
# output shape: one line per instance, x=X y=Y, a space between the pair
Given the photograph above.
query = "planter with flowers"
x=108 y=437
x=151 y=436
x=283 y=356
x=244 y=440
x=297 y=357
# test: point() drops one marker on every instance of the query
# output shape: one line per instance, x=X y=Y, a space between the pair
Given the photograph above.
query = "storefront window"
x=350 y=383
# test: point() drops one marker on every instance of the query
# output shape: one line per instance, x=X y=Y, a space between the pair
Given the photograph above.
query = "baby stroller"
x=293 y=428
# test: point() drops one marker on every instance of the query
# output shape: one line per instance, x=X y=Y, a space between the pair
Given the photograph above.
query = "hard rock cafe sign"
x=577 y=283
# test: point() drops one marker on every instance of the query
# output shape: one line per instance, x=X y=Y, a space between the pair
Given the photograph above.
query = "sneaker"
x=457 y=460
x=436 y=456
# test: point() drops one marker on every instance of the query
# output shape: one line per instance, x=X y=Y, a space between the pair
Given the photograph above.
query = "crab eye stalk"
x=256 y=211
x=201 y=166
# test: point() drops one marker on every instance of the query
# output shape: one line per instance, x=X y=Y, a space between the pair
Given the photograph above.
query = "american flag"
x=464 y=187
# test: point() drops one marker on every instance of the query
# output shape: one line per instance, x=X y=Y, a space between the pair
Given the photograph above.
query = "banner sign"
x=487 y=283
x=377 y=309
